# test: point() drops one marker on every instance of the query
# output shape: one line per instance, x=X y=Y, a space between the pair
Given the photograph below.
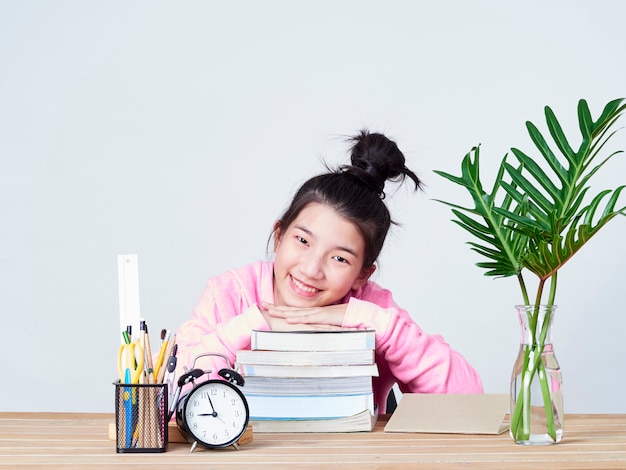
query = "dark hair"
x=356 y=191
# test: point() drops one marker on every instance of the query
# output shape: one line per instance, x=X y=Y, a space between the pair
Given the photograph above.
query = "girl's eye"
x=301 y=240
x=340 y=259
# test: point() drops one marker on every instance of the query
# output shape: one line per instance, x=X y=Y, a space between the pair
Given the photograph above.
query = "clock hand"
x=211 y=403
x=213 y=412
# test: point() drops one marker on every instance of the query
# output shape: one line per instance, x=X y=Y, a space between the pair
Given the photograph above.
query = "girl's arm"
x=202 y=334
x=221 y=323
x=420 y=362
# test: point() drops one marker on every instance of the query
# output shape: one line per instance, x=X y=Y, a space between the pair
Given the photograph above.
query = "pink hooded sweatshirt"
x=228 y=311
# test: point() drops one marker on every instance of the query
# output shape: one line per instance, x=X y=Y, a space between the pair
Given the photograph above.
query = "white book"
x=307 y=385
x=368 y=370
x=360 y=422
x=305 y=358
x=337 y=340
x=308 y=407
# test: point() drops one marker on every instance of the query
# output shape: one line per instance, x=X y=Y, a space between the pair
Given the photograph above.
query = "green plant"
x=539 y=213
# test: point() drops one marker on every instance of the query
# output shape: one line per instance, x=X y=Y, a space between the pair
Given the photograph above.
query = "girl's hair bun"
x=376 y=159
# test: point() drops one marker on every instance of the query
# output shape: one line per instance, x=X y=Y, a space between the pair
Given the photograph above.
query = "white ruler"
x=128 y=280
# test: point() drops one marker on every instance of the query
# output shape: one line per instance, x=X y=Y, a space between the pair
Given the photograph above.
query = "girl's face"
x=319 y=258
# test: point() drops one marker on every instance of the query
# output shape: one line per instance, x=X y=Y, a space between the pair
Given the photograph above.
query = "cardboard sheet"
x=457 y=414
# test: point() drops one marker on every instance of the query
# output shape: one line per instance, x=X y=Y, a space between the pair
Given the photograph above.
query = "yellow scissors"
x=130 y=357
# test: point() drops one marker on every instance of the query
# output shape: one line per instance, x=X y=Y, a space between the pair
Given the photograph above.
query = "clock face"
x=216 y=413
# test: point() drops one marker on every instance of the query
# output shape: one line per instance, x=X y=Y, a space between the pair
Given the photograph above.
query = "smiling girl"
x=325 y=248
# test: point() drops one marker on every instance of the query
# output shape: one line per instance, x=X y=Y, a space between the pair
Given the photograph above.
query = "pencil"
x=148 y=351
x=143 y=377
x=166 y=356
x=157 y=367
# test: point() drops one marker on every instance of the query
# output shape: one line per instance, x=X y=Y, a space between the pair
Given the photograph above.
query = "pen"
x=128 y=409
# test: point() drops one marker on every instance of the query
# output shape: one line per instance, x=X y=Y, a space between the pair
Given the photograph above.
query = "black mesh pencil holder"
x=141 y=417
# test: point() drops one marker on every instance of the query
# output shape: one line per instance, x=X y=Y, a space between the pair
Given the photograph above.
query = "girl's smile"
x=305 y=290
x=319 y=258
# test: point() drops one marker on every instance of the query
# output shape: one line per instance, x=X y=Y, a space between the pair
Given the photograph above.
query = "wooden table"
x=78 y=440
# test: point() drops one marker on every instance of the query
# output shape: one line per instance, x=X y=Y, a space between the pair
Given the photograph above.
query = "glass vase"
x=536 y=393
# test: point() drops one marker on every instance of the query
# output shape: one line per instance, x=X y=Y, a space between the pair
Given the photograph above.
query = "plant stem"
x=552 y=294
x=545 y=387
x=522 y=285
x=533 y=365
x=516 y=420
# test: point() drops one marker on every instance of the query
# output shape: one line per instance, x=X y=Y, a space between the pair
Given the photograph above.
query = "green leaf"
x=610 y=206
x=539 y=175
x=539 y=214
x=561 y=141
x=481 y=221
x=545 y=150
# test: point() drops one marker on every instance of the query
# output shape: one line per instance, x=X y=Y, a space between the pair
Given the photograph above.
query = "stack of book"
x=310 y=381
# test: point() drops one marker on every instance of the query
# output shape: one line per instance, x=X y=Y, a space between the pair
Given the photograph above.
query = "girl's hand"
x=296 y=318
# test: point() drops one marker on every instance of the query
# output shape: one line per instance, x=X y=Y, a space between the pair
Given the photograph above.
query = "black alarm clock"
x=213 y=414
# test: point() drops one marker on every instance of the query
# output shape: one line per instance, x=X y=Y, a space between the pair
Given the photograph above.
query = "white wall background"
x=179 y=130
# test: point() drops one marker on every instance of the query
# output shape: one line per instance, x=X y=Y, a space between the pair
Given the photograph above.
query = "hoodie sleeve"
x=419 y=362
x=221 y=323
